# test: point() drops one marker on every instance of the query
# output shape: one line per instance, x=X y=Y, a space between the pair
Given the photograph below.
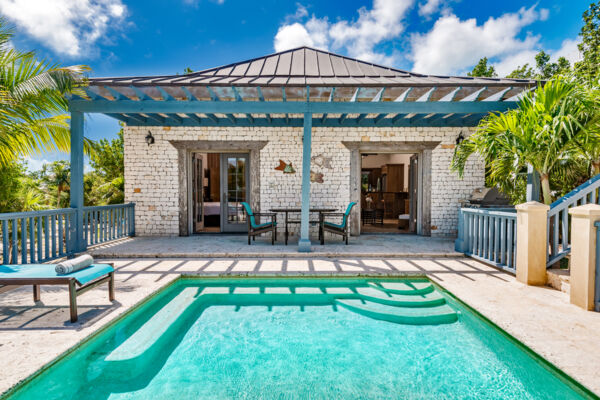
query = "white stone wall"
x=151 y=172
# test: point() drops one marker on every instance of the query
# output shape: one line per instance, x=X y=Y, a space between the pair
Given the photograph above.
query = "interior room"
x=387 y=181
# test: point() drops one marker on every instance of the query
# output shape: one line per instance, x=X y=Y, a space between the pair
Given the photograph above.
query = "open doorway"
x=389 y=192
x=219 y=184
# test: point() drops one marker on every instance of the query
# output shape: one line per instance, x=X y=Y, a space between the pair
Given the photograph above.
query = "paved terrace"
x=222 y=245
x=542 y=318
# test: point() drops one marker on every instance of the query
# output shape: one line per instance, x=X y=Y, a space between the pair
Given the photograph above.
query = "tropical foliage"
x=554 y=129
x=48 y=188
x=32 y=102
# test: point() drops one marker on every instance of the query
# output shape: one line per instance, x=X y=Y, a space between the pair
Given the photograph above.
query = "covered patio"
x=300 y=88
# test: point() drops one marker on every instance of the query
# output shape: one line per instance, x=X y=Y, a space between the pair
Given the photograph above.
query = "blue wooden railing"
x=40 y=236
x=489 y=235
x=106 y=223
x=558 y=231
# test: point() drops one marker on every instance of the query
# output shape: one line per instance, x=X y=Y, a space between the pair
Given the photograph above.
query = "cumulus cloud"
x=429 y=7
x=68 y=27
x=453 y=45
x=384 y=21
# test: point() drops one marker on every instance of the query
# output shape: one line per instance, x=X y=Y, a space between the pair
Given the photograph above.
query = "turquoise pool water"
x=299 y=339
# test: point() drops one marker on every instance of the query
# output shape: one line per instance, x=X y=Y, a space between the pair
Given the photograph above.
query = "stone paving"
x=222 y=245
x=31 y=335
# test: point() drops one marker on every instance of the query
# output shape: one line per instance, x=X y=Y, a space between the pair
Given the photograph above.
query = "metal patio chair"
x=339 y=229
x=255 y=228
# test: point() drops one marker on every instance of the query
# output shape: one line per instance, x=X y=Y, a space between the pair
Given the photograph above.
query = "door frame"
x=422 y=149
x=227 y=227
x=184 y=150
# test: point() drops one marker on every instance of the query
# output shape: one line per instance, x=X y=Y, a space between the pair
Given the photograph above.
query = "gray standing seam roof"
x=307 y=66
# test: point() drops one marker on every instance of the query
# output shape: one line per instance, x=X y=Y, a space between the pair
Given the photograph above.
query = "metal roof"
x=305 y=66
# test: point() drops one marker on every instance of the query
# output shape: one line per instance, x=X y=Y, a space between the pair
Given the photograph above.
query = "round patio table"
x=287 y=211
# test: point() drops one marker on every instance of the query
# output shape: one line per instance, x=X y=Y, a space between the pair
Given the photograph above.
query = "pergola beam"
x=281 y=107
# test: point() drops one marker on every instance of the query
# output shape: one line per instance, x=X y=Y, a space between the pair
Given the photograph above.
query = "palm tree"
x=60 y=176
x=32 y=101
x=543 y=131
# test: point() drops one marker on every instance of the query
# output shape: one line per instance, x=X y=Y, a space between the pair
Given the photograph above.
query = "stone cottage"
x=304 y=129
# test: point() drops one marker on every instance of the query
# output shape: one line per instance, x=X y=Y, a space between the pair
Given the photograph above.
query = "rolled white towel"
x=74 y=264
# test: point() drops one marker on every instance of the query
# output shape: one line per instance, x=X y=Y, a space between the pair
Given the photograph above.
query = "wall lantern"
x=460 y=138
x=149 y=138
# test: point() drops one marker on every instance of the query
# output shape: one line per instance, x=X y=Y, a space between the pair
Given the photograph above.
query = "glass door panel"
x=235 y=174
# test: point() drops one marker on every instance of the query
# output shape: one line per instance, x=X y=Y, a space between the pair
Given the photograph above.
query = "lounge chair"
x=257 y=229
x=79 y=281
x=339 y=229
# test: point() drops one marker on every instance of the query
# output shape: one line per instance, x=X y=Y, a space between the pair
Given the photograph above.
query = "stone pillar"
x=583 y=254
x=532 y=242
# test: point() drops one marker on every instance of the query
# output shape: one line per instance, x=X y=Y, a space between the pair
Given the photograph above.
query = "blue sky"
x=153 y=37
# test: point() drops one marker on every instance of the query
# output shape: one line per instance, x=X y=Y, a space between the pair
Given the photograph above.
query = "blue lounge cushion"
x=44 y=271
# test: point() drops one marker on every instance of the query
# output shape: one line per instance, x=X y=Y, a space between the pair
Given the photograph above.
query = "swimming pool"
x=301 y=338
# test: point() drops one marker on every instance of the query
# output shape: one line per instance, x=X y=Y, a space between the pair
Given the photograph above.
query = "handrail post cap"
x=532 y=206
x=586 y=210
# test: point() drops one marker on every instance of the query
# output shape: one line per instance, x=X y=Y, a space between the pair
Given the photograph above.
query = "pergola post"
x=76 y=184
x=304 y=243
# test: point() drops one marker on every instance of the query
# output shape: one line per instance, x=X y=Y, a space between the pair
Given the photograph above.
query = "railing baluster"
x=61 y=221
x=496 y=238
x=46 y=237
x=85 y=228
x=5 y=245
x=484 y=237
x=509 y=243
x=23 y=240
x=31 y=240
x=555 y=221
x=53 y=234
x=14 y=242
x=39 y=238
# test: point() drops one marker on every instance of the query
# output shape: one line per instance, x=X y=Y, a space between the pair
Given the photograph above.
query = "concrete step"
x=443 y=314
x=409 y=288
x=430 y=299
x=559 y=279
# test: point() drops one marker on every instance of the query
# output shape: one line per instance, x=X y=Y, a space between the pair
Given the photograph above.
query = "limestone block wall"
x=152 y=174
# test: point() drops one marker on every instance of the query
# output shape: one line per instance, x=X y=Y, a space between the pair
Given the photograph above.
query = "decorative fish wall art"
x=285 y=167
x=316 y=177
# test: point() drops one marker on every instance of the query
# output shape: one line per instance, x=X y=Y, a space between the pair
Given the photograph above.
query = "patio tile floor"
x=223 y=245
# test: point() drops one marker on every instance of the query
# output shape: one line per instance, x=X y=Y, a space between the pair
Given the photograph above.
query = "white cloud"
x=359 y=38
x=35 y=164
x=429 y=7
x=568 y=49
x=68 y=27
x=453 y=45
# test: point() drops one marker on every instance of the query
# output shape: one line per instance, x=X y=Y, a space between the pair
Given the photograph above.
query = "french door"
x=235 y=176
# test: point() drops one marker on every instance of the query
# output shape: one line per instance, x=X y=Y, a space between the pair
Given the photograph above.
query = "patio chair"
x=255 y=228
x=79 y=281
x=339 y=229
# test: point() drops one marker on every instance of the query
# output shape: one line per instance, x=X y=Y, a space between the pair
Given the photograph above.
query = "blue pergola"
x=220 y=98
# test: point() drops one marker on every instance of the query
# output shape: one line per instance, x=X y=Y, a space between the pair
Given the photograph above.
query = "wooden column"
x=304 y=243
x=77 y=243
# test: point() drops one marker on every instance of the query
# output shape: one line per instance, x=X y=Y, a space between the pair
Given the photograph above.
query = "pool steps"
x=411 y=302
x=414 y=302
x=407 y=288
x=443 y=314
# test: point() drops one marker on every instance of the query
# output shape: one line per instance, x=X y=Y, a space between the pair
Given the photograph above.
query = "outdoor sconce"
x=149 y=138
x=460 y=138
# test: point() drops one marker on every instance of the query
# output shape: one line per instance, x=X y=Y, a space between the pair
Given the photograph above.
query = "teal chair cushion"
x=344 y=219
x=340 y=226
x=253 y=223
